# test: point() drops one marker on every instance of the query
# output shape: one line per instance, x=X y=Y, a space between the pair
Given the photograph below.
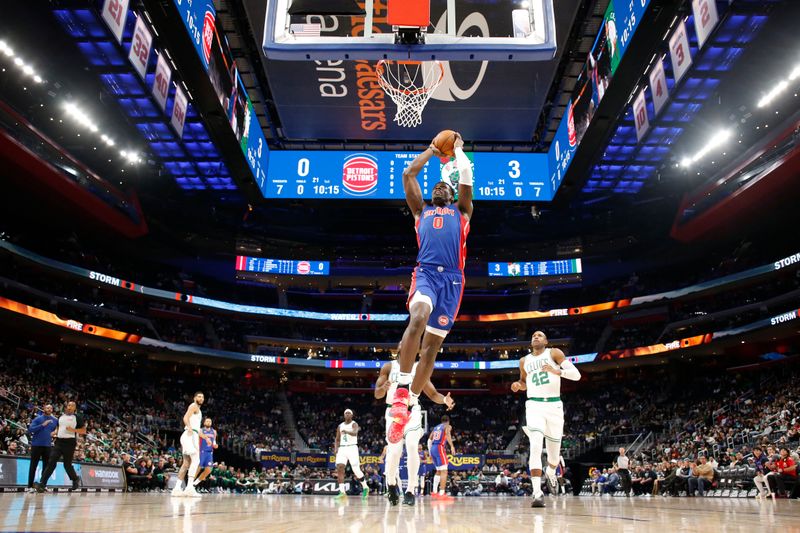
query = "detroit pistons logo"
x=303 y=267
x=360 y=175
x=571 y=132
x=209 y=25
x=443 y=320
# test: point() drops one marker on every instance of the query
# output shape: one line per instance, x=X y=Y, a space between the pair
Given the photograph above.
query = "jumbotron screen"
x=536 y=268
x=263 y=265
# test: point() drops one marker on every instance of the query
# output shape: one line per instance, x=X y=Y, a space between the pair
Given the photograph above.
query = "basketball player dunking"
x=438 y=280
x=540 y=374
x=190 y=447
x=208 y=443
x=386 y=385
x=346 y=450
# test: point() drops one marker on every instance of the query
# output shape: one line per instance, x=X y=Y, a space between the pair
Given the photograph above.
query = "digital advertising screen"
x=297 y=267
x=536 y=268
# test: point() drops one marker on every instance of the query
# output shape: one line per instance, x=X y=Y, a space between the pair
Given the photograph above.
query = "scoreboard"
x=536 y=268
x=379 y=175
x=282 y=266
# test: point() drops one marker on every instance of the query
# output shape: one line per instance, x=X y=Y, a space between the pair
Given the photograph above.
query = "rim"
x=384 y=65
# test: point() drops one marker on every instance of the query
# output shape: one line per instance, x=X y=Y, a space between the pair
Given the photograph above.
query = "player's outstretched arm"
x=437 y=397
x=411 y=185
x=189 y=412
x=520 y=384
x=338 y=438
x=464 y=166
x=566 y=369
x=383 y=384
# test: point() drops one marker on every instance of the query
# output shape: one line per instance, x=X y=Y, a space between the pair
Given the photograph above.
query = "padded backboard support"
x=532 y=39
x=409 y=13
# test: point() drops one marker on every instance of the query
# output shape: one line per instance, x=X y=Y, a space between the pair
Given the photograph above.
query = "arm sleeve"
x=568 y=371
x=464 y=167
x=35 y=425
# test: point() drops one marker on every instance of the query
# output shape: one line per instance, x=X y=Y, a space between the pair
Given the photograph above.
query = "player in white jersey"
x=190 y=447
x=540 y=374
x=346 y=450
x=385 y=386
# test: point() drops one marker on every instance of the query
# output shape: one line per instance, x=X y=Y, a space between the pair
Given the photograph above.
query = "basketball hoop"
x=410 y=84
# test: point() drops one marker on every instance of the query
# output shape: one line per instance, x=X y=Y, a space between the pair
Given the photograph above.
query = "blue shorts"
x=439 y=457
x=445 y=289
x=206 y=459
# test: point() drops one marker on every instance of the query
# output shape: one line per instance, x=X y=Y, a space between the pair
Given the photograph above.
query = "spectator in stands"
x=598 y=479
x=132 y=476
x=760 y=463
x=501 y=483
x=786 y=471
x=701 y=478
x=160 y=475
x=41 y=430
x=612 y=483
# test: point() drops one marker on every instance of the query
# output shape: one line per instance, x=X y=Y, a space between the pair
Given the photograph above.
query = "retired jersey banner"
x=679 y=52
x=115 y=12
x=640 y=115
x=142 y=42
x=161 y=81
x=658 y=85
x=705 y=19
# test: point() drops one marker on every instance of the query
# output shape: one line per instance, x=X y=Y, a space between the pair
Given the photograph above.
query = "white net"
x=410 y=84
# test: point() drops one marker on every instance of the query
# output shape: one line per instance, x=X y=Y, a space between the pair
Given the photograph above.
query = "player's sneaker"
x=400 y=415
x=340 y=496
x=177 y=490
x=364 y=493
x=190 y=492
x=445 y=498
x=551 y=480
x=538 y=501
x=408 y=499
x=394 y=495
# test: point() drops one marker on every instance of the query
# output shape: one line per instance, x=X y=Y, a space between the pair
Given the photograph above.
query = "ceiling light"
x=19 y=62
x=775 y=91
x=27 y=69
x=716 y=140
x=37 y=79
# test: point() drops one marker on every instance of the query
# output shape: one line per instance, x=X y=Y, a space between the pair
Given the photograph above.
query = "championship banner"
x=179 y=108
x=276 y=458
x=142 y=42
x=501 y=461
x=658 y=86
x=161 y=82
x=115 y=12
x=705 y=19
x=640 y=116
x=679 y=52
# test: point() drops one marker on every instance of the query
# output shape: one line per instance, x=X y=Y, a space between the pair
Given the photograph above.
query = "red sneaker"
x=434 y=495
x=400 y=415
x=445 y=498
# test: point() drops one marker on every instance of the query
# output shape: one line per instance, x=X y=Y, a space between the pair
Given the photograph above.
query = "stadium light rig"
x=26 y=69
x=715 y=141
x=780 y=87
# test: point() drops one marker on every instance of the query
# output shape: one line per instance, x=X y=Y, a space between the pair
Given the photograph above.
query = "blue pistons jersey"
x=439 y=275
x=442 y=237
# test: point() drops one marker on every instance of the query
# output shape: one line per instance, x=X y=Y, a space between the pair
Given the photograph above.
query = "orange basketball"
x=444 y=142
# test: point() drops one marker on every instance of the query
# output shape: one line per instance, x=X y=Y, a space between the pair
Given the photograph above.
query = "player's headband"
x=348 y=411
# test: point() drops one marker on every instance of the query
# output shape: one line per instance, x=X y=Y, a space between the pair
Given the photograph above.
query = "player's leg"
x=413 y=436
x=554 y=430
x=340 y=465
x=355 y=463
x=393 y=454
x=535 y=426
x=177 y=490
x=194 y=466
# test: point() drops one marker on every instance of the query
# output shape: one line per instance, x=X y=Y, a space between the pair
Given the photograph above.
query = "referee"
x=624 y=473
x=70 y=425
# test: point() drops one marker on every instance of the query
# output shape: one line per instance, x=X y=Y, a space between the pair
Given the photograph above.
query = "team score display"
x=542 y=378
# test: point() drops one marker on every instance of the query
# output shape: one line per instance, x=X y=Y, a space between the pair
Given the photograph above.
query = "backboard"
x=498 y=30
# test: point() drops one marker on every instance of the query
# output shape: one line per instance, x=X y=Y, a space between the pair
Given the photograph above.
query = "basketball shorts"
x=439 y=456
x=190 y=443
x=546 y=418
x=348 y=454
x=444 y=288
x=414 y=426
x=206 y=459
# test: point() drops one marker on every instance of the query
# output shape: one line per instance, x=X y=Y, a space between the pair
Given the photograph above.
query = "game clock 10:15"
x=378 y=175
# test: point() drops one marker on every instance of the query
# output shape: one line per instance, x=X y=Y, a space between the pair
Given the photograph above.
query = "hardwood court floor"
x=228 y=513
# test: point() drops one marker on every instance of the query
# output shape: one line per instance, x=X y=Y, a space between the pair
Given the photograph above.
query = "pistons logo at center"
x=360 y=175
x=443 y=320
x=209 y=27
x=303 y=267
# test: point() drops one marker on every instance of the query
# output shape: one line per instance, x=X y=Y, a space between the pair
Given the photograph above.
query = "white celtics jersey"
x=394 y=376
x=345 y=439
x=194 y=420
x=541 y=384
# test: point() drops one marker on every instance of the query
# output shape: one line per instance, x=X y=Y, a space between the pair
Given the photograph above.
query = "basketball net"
x=410 y=84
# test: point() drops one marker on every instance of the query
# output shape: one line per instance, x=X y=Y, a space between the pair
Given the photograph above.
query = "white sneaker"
x=190 y=492
x=177 y=491
x=552 y=480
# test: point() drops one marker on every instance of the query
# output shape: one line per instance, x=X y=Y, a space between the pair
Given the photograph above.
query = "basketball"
x=445 y=142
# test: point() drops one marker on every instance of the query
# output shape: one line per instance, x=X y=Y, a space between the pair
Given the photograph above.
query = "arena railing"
x=10 y=397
